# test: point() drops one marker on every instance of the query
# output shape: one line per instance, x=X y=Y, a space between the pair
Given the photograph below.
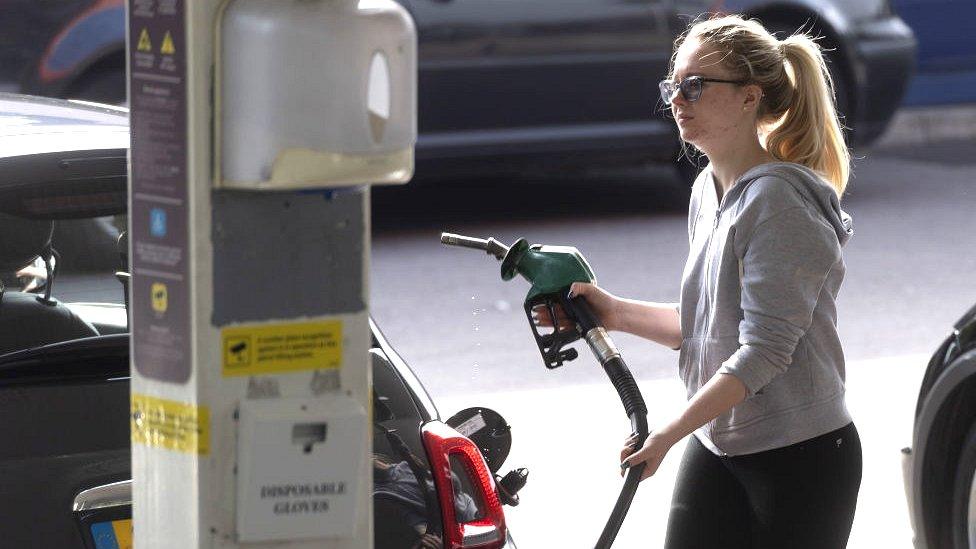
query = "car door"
x=65 y=431
x=946 y=56
x=406 y=512
x=68 y=454
x=540 y=71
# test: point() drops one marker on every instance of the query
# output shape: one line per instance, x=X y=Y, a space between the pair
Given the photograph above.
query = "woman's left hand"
x=652 y=453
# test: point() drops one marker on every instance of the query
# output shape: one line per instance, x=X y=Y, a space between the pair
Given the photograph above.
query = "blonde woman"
x=775 y=460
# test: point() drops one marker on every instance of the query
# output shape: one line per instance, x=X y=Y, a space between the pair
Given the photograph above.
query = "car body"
x=946 y=53
x=871 y=52
x=939 y=467
x=64 y=367
x=515 y=87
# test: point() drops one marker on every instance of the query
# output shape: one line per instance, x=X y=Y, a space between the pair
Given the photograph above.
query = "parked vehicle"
x=940 y=465
x=946 y=51
x=870 y=52
x=514 y=87
x=64 y=370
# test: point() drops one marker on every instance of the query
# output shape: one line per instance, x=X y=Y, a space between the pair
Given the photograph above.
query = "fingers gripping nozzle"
x=551 y=270
x=551 y=344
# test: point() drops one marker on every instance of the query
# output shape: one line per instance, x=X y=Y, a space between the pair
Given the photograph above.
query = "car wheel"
x=963 y=519
x=105 y=84
x=841 y=95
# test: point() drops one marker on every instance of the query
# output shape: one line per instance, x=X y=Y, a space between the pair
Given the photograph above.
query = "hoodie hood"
x=808 y=184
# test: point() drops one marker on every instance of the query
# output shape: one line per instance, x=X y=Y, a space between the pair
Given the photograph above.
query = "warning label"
x=276 y=348
x=169 y=424
x=145 y=44
x=167 y=48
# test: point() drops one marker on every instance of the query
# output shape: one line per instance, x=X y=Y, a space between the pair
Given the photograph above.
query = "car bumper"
x=884 y=64
x=907 y=472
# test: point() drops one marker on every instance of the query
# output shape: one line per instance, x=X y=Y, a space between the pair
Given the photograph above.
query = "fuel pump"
x=257 y=129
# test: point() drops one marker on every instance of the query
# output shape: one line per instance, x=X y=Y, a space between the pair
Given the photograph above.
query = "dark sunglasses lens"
x=691 y=88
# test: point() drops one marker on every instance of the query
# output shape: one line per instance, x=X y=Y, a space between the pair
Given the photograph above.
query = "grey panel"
x=287 y=254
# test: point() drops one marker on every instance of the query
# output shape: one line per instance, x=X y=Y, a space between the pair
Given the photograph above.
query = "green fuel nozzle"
x=551 y=270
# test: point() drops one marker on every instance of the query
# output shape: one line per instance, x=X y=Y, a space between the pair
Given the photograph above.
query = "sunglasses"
x=690 y=87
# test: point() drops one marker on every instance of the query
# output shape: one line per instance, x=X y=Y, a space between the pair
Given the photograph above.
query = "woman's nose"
x=678 y=99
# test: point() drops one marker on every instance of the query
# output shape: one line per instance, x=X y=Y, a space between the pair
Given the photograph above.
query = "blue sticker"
x=157 y=222
x=104 y=536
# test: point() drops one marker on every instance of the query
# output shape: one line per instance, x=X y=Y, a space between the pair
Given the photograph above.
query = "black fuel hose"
x=630 y=396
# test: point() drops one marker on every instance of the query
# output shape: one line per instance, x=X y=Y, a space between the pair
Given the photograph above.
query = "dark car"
x=870 y=52
x=64 y=370
x=946 y=51
x=940 y=465
x=514 y=87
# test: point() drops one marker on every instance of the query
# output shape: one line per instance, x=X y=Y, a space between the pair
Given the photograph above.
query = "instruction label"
x=472 y=425
x=169 y=424
x=160 y=287
x=276 y=348
x=302 y=498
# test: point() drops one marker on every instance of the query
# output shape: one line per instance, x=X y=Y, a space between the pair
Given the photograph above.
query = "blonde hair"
x=797 y=116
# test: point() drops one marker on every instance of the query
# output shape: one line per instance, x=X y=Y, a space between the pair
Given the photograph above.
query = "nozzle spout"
x=490 y=245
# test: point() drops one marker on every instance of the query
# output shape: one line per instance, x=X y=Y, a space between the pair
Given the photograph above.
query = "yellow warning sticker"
x=169 y=424
x=277 y=348
x=123 y=533
x=144 y=43
x=167 y=48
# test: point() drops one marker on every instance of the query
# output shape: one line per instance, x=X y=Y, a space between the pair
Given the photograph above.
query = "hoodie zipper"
x=708 y=298
x=708 y=263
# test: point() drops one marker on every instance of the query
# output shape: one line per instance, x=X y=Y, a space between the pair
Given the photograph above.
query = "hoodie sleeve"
x=784 y=264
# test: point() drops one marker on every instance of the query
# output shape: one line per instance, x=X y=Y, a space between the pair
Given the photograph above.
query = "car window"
x=405 y=509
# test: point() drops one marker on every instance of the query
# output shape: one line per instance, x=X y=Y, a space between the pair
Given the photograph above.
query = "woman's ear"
x=753 y=97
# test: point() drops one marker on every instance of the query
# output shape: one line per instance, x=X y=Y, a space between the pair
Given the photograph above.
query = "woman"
x=775 y=460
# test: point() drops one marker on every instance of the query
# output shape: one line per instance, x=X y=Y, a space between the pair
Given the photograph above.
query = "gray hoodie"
x=757 y=302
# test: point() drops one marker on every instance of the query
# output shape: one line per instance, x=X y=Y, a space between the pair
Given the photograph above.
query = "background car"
x=946 y=51
x=540 y=87
x=870 y=52
x=64 y=369
x=940 y=465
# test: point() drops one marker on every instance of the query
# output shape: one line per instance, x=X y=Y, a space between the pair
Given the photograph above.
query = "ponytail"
x=809 y=133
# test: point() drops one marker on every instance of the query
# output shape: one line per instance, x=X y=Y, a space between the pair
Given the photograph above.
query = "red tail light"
x=468 y=522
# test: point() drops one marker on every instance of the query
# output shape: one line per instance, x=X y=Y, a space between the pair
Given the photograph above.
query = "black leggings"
x=794 y=497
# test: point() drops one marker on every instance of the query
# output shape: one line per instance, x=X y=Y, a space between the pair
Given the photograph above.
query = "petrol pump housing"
x=257 y=129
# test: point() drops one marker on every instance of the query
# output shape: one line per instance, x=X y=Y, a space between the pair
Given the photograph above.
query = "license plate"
x=116 y=534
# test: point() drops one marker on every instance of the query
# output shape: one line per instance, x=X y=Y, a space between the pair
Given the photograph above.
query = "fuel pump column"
x=257 y=129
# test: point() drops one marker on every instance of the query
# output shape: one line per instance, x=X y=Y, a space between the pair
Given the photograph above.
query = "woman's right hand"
x=603 y=303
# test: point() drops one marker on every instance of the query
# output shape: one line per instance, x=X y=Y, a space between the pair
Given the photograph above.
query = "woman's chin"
x=689 y=135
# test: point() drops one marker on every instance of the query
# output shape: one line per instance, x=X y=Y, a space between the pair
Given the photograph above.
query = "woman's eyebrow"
x=688 y=74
